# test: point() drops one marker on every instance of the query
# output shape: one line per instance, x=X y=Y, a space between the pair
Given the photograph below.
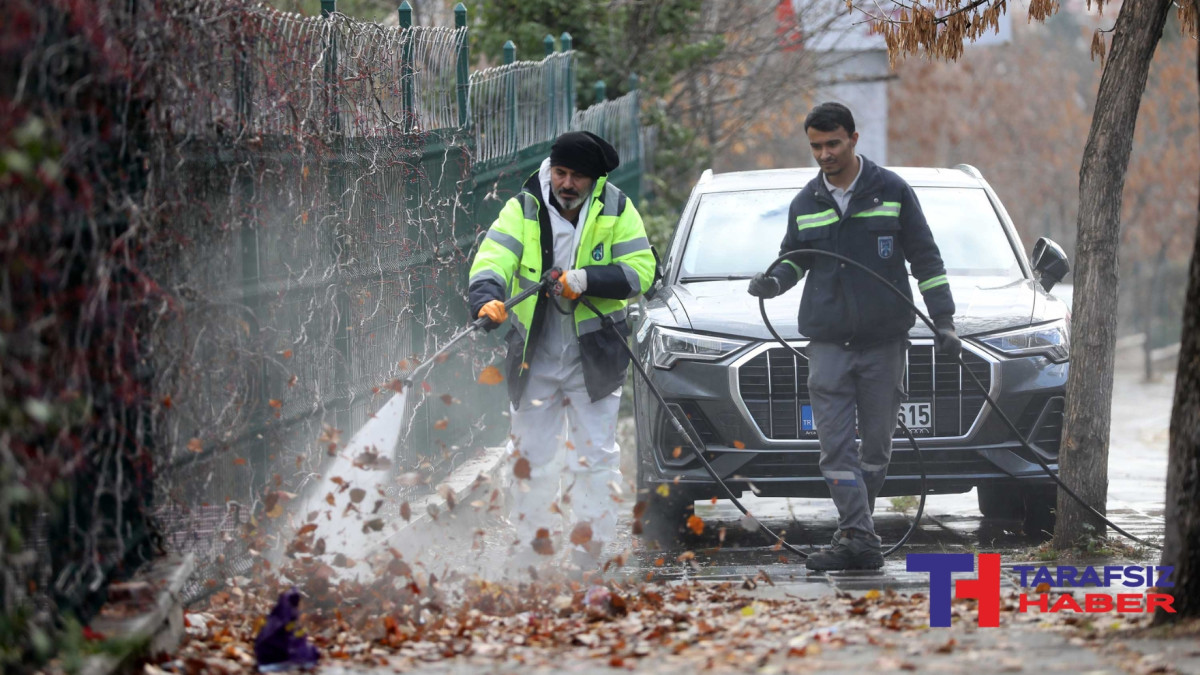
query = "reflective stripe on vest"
x=507 y=241
x=932 y=282
x=884 y=209
x=816 y=220
x=596 y=323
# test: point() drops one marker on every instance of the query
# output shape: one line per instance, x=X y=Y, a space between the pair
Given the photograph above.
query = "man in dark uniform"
x=858 y=330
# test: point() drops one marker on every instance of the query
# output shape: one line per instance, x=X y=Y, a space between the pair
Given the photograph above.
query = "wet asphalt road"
x=478 y=542
x=481 y=543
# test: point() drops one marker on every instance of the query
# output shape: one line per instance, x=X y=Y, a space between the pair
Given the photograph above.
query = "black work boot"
x=851 y=550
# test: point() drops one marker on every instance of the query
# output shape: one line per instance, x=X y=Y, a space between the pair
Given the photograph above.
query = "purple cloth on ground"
x=281 y=640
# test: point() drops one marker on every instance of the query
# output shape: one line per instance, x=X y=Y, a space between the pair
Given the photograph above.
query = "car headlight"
x=1050 y=340
x=672 y=345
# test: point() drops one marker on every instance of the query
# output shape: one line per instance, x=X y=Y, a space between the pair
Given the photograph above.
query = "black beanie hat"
x=584 y=152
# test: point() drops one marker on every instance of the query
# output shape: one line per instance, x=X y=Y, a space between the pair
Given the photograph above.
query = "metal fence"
x=310 y=191
x=363 y=169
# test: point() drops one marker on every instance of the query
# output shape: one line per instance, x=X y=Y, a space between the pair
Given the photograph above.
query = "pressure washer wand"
x=549 y=278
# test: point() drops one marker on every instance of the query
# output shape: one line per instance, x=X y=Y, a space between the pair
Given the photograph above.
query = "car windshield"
x=737 y=234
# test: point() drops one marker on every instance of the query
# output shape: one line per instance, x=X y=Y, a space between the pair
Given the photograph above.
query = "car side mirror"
x=658 y=275
x=1049 y=262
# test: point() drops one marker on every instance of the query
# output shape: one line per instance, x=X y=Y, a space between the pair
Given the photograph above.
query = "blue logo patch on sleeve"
x=598 y=252
x=885 y=247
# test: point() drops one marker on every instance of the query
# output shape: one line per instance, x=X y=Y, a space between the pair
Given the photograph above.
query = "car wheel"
x=1000 y=501
x=662 y=520
x=1041 y=503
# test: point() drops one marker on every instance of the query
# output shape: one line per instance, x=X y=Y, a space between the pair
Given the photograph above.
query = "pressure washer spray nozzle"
x=551 y=280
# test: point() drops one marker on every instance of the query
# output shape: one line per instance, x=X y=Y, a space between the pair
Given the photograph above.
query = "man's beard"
x=569 y=203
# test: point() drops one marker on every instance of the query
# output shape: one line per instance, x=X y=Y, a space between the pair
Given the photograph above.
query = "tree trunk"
x=1083 y=460
x=1182 y=546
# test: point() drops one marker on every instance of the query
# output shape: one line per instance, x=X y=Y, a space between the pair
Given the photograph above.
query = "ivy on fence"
x=228 y=231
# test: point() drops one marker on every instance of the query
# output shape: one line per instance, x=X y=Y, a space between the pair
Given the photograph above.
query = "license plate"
x=806 y=419
x=916 y=416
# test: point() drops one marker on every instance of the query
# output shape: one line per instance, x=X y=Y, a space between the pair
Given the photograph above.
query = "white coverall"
x=557 y=416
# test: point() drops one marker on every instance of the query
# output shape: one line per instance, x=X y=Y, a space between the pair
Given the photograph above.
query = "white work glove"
x=572 y=284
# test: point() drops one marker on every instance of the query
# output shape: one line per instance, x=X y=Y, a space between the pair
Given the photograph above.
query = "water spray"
x=361 y=462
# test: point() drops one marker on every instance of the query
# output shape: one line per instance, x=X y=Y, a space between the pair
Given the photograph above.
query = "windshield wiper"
x=729 y=277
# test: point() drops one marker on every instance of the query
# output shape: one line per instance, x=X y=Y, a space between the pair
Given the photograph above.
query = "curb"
x=469 y=481
x=156 y=591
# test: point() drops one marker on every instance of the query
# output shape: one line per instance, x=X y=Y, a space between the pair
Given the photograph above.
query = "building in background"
x=858 y=70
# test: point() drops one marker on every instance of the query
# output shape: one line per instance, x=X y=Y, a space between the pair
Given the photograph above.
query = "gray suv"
x=701 y=337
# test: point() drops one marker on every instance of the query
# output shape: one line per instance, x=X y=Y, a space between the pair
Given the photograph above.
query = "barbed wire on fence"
x=616 y=121
x=520 y=104
x=379 y=66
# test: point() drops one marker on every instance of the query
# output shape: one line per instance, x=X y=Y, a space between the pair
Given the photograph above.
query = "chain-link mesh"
x=263 y=221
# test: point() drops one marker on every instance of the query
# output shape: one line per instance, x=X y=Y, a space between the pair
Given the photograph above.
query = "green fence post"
x=242 y=55
x=406 y=67
x=419 y=277
x=510 y=56
x=600 y=91
x=328 y=7
x=341 y=340
x=567 y=46
x=464 y=57
x=635 y=113
x=548 y=44
x=636 y=136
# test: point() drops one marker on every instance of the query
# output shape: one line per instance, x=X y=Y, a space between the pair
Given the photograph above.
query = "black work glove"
x=764 y=286
x=947 y=340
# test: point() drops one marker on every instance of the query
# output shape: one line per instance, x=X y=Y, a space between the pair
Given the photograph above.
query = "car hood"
x=983 y=305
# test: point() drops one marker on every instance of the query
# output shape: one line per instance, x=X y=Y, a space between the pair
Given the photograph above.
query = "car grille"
x=903 y=463
x=774 y=387
x=1042 y=422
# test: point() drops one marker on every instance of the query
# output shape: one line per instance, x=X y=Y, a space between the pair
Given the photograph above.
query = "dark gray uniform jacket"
x=882 y=228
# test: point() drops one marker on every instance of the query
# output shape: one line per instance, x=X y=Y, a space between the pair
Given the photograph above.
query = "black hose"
x=762 y=309
x=924 y=491
x=608 y=323
x=983 y=390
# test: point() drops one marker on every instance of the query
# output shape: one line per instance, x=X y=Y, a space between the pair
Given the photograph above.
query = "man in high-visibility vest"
x=564 y=369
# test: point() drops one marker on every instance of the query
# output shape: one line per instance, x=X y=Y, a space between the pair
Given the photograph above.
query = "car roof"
x=962 y=175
